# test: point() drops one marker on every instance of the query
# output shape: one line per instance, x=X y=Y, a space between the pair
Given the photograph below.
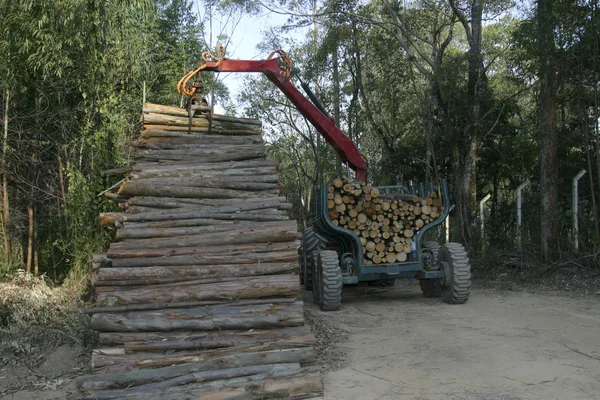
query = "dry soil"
x=392 y=343
x=500 y=345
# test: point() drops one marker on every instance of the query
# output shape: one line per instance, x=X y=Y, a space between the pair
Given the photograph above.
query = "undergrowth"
x=36 y=317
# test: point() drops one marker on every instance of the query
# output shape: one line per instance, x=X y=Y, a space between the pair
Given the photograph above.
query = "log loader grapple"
x=331 y=256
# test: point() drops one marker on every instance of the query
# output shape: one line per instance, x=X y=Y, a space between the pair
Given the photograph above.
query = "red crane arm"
x=343 y=146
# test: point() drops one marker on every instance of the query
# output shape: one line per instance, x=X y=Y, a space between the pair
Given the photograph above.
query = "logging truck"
x=359 y=233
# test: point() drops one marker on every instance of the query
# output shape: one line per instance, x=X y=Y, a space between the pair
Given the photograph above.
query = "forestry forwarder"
x=330 y=255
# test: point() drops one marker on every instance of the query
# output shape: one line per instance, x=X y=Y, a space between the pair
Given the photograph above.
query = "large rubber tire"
x=330 y=283
x=311 y=243
x=458 y=284
x=431 y=287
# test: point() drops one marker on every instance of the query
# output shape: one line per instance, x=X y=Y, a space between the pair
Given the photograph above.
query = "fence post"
x=481 y=218
x=519 y=214
x=575 y=205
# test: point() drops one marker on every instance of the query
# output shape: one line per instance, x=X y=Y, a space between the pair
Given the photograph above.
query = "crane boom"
x=274 y=69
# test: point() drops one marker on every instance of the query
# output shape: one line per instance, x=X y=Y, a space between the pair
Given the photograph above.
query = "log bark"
x=141 y=233
x=186 y=304
x=260 y=182
x=299 y=336
x=194 y=132
x=159 y=202
x=140 y=188
x=109 y=359
x=184 y=121
x=206 y=260
x=285 y=231
x=264 y=371
x=147 y=340
x=185 y=140
x=240 y=288
x=179 y=273
x=208 y=250
x=181 y=112
x=139 y=377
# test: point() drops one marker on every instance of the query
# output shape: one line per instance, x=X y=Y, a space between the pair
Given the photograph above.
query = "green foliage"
x=75 y=74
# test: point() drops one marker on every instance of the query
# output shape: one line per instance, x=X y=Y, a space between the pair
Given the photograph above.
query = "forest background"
x=488 y=94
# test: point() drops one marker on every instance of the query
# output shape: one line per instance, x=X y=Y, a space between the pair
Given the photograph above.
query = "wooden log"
x=180 y=121
x=231 y=250
x=140 y=188
x=260 y=182
x=208 y=318
x=156 y=341
x=109 y=360
x=303 y=356
x=176 y=214
x=140 y=233
x=285 y=232
x=252 y=387
x=154 y=141
x=298 y=336
x=201 y=156
x=177 y=385
x=183 y=273
x=203 y=260
x=237 y=288
x=183 y=304
x=209 y=204
x=181 y=112
x=187 y=133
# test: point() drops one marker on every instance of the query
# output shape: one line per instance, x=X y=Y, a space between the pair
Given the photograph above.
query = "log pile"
x=385 y=224
x=198 y=295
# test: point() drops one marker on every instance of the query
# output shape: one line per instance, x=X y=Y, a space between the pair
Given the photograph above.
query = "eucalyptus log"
x=147 y=341
x=182 y=214
x=160 y=202
x=262 y=371
x=167 y=274
x=231 y=250
x=259 y=182
x=301 y=336
x=178 y=156
x=241 y=288
x=165 y=143
x=205 y=151
x=180 y=121
x=160 y=131
x=140 y=188
x=304 y=355
x=105 y=360
x=181 y=112
x=205 y=260
x=185 y=304
x=141 y=233
x=283 y=232
x=208 y=318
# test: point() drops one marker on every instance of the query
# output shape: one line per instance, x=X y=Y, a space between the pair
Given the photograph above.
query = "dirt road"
x=500 y=345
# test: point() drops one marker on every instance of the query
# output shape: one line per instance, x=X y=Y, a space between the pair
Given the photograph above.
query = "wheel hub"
x=446 y=279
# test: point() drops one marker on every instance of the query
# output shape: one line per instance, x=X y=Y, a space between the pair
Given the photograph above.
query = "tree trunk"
x=35 y=243
x=5 y=203
x=30 y=238
x=548 y=133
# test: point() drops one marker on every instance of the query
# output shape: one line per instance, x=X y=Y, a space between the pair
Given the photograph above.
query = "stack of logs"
x=198 y=295
x=385 y=224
